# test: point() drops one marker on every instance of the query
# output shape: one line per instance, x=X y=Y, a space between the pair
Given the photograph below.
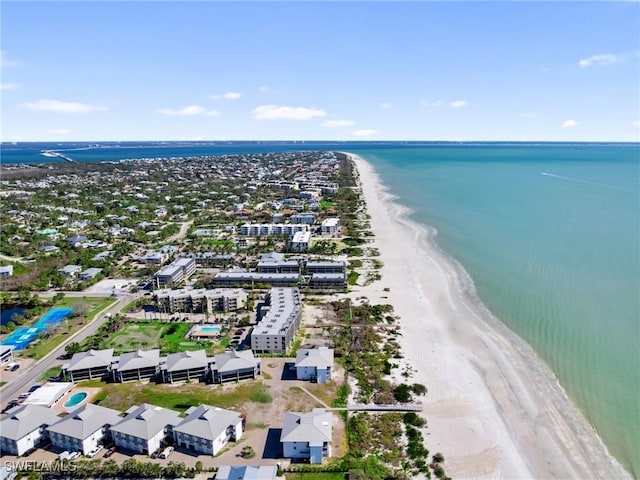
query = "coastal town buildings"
x=174 y=273
x=307 y=436
x=207 y=429
x=144 y=427
x=314 y=364
x=24 y=428
x=82 y=429
x=88 y=365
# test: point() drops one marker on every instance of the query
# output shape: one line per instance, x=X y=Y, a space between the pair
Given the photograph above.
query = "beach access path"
x=494 y=409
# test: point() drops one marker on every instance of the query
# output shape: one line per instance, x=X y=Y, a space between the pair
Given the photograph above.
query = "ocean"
x=549 y=233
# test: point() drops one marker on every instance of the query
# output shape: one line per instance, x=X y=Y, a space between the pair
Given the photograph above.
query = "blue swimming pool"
x=210 y=329
x=23 y=336
x=75 y=399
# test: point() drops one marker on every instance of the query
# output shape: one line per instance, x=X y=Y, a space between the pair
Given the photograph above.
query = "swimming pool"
x=75 y=399
x=209 y=329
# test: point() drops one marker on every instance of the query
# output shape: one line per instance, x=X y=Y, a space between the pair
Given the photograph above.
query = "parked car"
x=23 y=396
x=64 y=455
x=34 y=388
x=110 y=452
x=95 y=451
x=14 y=367
x=73 y=455
x=166 y=452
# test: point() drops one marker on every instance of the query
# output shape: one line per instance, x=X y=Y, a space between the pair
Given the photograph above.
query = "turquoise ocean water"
x=549 y=233
x=550 y=236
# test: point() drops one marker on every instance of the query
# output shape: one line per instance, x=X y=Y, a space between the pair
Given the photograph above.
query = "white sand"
x=494 y=409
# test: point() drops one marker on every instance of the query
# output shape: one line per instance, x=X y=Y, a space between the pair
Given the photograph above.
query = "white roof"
x=314 y=427
x=315 y=357
x=49 y=393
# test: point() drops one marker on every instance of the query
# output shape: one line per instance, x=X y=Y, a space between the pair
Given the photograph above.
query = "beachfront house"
x=138 y=365
x=330 y=226
x=144 y=427
x=328 y=280
x=82 y=429
x=89 y=365
x=247 y=472
x=307 y=436
x=188 y=365
x=233 y=366
x=24 y=428
x=208 y=429
x=314 y=364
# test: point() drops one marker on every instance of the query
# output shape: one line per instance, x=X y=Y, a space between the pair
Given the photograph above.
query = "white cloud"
x=600 y=60
x=278 y=112
x=337 y=123
x=529 y=115
x=365 y=133
x=227 y=96
x=64 y=107
x=4 y=62
x=458 y=104
x=188 y=111
x=636 y=124
x=569 y=124
x=263 y=88
x=436 y=104
x=386 y=105
x=59 y=131
x=8 y=86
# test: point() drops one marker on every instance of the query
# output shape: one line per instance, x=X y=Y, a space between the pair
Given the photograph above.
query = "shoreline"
x=494 y=408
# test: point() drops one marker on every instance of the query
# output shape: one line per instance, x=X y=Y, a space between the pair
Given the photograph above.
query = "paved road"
x=184 y=228
x=32 y=375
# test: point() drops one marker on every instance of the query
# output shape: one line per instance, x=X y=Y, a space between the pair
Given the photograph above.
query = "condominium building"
x=201 y=300
x=174 y=273
x=262 y=229
x=279 y=323
x=330 y=226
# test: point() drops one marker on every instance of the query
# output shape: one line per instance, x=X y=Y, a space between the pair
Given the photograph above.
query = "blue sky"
x=93 y=71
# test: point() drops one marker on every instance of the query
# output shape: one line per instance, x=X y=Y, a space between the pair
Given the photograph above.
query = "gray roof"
x=205 y=421
x=85 y=421
x=233 y=360
x=146 y=421
x=91 y=359
x=139 y=359
x=24 y=419
x=272 y=257
x=186 y=360
x=314 y=427
x=262 y=472
x=315 y=357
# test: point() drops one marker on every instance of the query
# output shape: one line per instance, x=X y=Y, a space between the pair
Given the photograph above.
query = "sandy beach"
x=494 y=409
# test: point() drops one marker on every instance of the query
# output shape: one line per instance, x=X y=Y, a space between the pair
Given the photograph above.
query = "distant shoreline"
x=494 y=408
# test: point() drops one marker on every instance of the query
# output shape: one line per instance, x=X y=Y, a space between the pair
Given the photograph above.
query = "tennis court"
x=19 y=339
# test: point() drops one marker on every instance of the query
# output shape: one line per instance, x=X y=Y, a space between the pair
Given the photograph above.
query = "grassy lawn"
x=168 y=337
x=2 y=383
x=121 y=396
x=353 y=277
x=50 y=372
x=40 y=348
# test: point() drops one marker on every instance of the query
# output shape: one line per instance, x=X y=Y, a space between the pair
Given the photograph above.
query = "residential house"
x=89 y=273
x=138 y=365
x=208 y=429
x=82 y=429
x=233 y=366
x=307 y=436
x=144 y=427
x=330 y=226
x=70 y=270
x=6 y=271
x=24 y=427
x=188 y=365
x=300 y=242
x=247 y=472
x=89 y=365
x=315 y=364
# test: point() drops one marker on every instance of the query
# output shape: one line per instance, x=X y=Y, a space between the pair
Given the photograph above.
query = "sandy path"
x=495 y=410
